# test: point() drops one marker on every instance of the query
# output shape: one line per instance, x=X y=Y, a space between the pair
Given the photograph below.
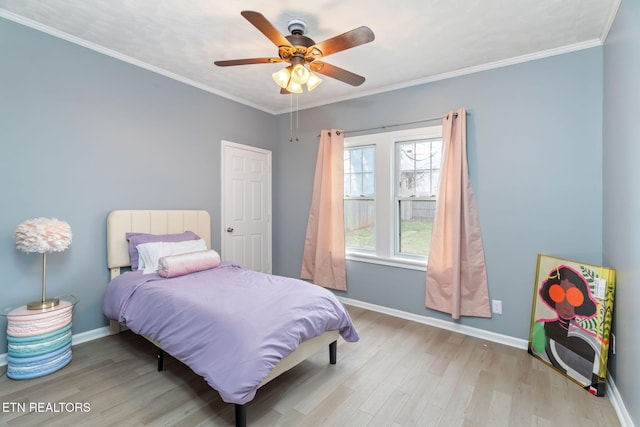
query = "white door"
x=246 y=206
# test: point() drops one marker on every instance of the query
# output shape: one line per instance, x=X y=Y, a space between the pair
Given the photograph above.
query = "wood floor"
x=400 y=373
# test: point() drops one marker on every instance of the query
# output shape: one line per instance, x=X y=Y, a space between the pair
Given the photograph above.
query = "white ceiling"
x=416 y=41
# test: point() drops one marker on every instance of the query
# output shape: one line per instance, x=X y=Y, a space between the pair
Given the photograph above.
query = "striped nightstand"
x=38 y=341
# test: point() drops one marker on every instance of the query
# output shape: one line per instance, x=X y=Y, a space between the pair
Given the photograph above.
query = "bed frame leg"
x=160 y=359
x=333 y=352
x=241 y=415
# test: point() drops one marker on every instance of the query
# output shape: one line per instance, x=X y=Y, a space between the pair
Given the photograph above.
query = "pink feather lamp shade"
x=43 y=235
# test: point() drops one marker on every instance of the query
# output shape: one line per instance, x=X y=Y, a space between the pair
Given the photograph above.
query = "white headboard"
x=120 y=222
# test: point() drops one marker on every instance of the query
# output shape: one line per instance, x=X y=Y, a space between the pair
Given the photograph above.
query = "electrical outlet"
x=496 y=306
x=613 y=344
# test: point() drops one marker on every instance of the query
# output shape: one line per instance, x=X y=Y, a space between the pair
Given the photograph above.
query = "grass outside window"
x=416 y=237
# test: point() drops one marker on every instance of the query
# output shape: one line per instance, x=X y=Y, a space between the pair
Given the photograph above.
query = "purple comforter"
x=228 y=324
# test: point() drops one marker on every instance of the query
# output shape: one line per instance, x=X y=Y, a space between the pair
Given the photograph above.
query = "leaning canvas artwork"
x=571 y=319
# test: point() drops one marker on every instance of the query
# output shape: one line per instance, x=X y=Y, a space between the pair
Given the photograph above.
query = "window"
x=416 y=182
x=390 y=188
x=359 y=197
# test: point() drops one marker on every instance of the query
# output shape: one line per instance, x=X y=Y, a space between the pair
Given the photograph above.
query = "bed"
x=237 y=328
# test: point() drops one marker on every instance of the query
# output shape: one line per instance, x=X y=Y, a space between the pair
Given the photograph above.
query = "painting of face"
x=571 y=319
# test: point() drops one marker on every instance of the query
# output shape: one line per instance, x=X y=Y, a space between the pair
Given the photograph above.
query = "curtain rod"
x=430 y=119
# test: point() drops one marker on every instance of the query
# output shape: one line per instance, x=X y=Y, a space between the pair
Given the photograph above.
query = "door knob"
x=229 y=229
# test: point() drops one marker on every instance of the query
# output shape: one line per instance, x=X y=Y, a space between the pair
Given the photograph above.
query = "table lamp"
x=43 y=235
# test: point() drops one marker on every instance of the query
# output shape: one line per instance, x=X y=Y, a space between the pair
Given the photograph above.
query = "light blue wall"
x=535 y=158
x=621 y=203
x=82 y=134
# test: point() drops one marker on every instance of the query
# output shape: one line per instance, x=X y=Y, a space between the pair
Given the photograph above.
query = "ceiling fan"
x=301 y=51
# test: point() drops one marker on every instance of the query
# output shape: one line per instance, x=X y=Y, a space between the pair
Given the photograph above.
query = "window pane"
x=356 y=185
x=359 y=221
x=416 y=220
x=418 y=168
x=368 y=159
x=368 y=184
x=356 y=161
x=359 y=171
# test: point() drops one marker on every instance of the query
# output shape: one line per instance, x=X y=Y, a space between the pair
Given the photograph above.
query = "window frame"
x=386 y=200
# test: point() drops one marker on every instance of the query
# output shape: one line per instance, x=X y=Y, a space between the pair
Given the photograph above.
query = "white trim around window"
x=385 y=218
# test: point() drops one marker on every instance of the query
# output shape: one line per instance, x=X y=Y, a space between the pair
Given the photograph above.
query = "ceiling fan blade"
x=247 y=61
x=265 y=27
x=353 y=38
x=336 y=73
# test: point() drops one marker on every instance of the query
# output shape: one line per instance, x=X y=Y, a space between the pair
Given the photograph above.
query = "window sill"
x=408 y=263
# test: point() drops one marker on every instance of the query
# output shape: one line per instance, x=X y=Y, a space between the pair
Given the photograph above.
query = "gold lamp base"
x=41 y=305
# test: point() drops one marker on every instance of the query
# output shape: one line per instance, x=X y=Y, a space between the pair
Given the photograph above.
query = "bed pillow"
x=136 y=239
x=179 y=265
x=150 y=253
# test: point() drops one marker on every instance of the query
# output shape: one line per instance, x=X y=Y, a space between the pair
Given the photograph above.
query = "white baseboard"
x=89 y=335
x=612 y=391
x=618 y=404
x=442 y=324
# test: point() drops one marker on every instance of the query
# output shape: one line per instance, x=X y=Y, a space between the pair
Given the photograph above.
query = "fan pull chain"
x=291 y=139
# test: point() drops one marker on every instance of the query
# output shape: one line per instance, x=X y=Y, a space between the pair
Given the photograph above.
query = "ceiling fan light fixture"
x=281 y=77
x=313 y=82
x=300 y=74
x=294 y=87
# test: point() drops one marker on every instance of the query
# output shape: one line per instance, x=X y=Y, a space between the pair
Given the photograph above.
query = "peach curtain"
x=323 y=260
x=456 y=273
